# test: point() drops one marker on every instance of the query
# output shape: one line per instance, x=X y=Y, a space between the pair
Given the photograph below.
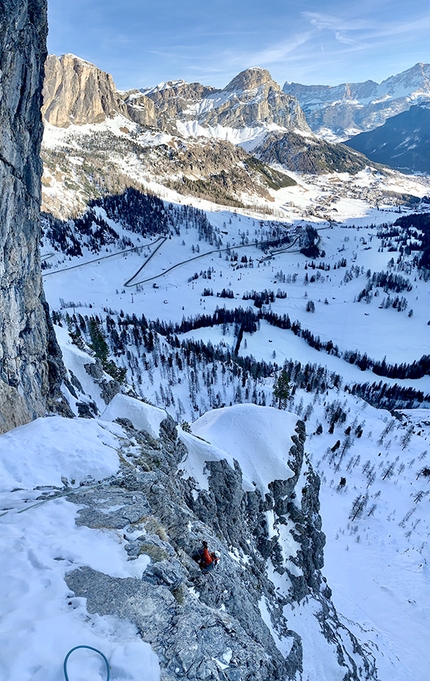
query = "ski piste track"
x=129 y=283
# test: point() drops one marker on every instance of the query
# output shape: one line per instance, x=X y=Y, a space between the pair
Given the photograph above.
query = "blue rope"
x=66 y=676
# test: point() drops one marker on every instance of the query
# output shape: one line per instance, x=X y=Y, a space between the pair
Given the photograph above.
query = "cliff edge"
x=30 y=364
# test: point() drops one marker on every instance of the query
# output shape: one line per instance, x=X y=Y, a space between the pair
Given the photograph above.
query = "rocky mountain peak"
x=249 y=79
x=415 y=80
x=77 y=92
x=173 y=97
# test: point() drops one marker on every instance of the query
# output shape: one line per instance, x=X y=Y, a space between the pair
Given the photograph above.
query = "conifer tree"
x=281 y=389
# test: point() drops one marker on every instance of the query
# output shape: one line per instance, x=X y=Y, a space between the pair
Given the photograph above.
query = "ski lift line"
x=103 y=257
x=163 y=241
x=66 y=675
x=196 y=257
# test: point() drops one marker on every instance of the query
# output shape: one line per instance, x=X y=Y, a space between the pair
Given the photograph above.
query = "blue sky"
x=142 y=42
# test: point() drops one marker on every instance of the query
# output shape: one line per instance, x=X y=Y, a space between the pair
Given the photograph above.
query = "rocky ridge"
x=231 y=624
x=251 y=99
x=77 y=92
x=30 y=364
x=344 y=110
x=306 y=155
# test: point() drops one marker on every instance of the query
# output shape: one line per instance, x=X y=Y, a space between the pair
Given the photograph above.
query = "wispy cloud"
x=277 y=52
x=330 y=22
x=344 y=39
x=349 y=30
x=420 y=25
x=187 y=40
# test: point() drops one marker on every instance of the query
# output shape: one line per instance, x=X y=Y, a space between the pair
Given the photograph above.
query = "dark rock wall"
x=25 y=369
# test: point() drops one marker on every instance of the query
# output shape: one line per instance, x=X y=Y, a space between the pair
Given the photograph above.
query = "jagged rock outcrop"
x=233 y=624
x=255 y=99
x=347 y=109
x=173 y=98
x=140 y=109
x=30 y=363
x=77 y=92
x=251 y=99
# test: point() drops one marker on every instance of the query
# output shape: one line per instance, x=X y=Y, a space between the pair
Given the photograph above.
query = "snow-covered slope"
x=94 y=555
x=374 y=474
x=403 y=141
x=41 y=463
x=87 y=162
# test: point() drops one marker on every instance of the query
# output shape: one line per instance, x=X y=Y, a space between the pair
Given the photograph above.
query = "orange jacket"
x=208 y=558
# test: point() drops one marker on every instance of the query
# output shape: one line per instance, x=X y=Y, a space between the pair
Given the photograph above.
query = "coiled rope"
x=66 y=676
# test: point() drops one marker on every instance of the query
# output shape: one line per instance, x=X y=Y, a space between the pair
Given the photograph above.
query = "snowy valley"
x=186 y=278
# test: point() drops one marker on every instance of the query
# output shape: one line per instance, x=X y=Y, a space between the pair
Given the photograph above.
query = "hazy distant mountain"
x=350 y=108
x=403 y=142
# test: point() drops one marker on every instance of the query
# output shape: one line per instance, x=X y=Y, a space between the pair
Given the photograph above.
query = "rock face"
x=173 y=98
x=251 y=99
x=77 y=92
x=238 y=622
x=30 y=364
x=140 y=109
x=350 y=108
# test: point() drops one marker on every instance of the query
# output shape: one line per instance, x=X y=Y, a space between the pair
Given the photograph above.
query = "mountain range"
x=298 y=128
x=233 y=145
x=341 y=111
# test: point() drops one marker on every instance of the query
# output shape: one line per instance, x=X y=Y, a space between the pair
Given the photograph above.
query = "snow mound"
x=143 y=416
x=44 y=451
x=258 y=438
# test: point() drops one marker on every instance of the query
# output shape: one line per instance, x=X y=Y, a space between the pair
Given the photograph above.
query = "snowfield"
x=258 y=438
x=147 y=302
x=376 y=562
x=40 y=542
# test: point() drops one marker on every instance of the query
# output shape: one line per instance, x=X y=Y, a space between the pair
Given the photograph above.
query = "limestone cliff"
x=27 y=373
x=77 y=92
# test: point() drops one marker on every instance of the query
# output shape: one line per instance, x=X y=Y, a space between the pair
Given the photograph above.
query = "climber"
x=206 y=559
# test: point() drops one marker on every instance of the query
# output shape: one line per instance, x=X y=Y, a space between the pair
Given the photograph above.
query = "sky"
x=142 y=42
